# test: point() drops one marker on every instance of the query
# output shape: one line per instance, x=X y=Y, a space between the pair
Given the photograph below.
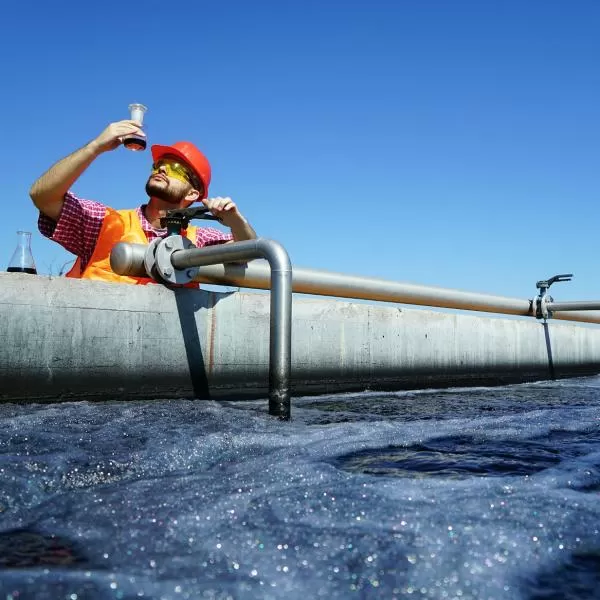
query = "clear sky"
x=452 y=143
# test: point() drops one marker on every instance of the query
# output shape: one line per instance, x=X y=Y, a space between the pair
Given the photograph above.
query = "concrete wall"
x=69 y=339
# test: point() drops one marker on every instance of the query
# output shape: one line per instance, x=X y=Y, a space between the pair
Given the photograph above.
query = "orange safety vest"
x=117 y=226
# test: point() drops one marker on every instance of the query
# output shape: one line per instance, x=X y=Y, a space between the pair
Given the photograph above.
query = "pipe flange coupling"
x=163 y=266
x=540 y=306
x=150 y=258
x=546 y=314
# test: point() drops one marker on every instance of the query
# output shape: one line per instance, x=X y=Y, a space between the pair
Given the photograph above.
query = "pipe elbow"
x=275 y=253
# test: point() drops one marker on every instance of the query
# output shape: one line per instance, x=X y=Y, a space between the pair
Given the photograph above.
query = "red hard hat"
x=191 y=156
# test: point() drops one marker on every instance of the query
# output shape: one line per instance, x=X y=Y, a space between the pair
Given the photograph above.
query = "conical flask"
x=22 y=259
x=132 y=141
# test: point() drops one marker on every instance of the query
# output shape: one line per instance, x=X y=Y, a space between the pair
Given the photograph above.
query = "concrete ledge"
x=69 y=339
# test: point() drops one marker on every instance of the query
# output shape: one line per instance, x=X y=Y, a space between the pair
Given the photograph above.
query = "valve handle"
x=177 y=219
x=544 y=284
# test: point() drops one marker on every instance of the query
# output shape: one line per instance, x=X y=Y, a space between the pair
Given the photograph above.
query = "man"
x=180 y=176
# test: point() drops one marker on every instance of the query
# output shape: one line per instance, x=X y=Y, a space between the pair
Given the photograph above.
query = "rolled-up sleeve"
x=208 y=236
x=78 y=226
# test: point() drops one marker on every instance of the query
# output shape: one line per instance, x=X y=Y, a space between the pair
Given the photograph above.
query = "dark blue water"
x=464 y=493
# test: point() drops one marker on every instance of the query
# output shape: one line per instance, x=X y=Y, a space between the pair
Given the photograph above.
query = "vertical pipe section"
x=280 y=336
x=280 y=346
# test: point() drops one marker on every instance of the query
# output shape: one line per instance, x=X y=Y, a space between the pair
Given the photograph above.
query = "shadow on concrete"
x=189 y=302
x=549 y=349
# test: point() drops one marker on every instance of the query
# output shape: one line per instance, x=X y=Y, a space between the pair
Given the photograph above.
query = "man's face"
x=170 y=181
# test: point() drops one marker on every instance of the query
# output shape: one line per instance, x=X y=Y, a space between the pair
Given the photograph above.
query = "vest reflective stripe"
x=117 y=226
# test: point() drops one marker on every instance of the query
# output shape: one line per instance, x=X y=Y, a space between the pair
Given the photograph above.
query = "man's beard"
x=164 y=192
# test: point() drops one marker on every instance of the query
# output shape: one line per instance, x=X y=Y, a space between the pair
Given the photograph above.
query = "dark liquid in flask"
x=134 y=143
x=22 y=270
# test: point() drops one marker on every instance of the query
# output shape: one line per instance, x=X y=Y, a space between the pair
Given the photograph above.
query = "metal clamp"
x=539 y=304
x=150 y=258
x=158 y=260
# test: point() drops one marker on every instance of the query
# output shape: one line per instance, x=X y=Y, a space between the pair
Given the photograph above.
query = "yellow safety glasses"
x=174 y=169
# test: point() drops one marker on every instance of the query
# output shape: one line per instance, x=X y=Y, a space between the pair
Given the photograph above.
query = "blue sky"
x=451 y=143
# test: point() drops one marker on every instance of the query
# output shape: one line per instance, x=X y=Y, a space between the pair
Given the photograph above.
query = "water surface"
x=460 y=493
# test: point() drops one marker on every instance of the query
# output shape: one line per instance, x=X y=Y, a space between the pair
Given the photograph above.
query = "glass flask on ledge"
x=22 y=258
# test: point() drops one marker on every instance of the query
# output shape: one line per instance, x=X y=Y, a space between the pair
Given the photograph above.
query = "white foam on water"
x=180 y=499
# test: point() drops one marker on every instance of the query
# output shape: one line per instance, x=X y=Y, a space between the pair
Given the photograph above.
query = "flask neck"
x=24 y=238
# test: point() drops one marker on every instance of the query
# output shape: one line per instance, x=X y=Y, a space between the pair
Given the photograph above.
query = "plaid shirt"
x=80 y=221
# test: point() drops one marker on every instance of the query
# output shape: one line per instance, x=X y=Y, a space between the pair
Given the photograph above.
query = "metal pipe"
x=280 y=283
x=128 y=259
x=323 y=283
x=582 y=317
x=578 y=305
